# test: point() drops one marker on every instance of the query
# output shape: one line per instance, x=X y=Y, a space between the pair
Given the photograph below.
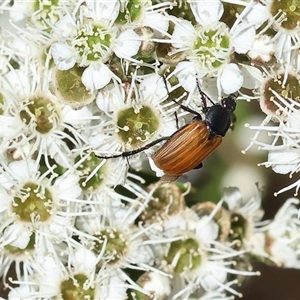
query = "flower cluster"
x=85 y=80
x=276 y=56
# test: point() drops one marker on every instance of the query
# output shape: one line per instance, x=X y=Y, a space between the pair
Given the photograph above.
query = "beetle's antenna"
x=203 y=95
x=132 y=152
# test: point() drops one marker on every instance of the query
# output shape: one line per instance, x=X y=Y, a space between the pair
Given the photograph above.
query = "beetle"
x=187 y=147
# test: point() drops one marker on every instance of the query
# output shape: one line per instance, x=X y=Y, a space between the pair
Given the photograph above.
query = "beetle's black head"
x=229 y=103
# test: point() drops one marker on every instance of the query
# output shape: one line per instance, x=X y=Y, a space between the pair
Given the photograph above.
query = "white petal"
x=284 y=255
x=243 y=38
x=157 y=22
x=283 y=162
x=68 y=186
x=213 y=276
x=185 y=72
x=230 y=79
x=158 y=285
x=233 y=197
x=65 y=26
x=111 y=98
x=19 y=292
x=127 y=44
x=84 y=260
x=5 y=200
x=263 y=48
x=8 y=127
x=63 y=56
x=207 y=231
x=159 y=172
x=96 y=76
x=293 y=120
x=112 y=287
x=207 y=12
x=153 y=86
x=21 y=10
x=103 y=10
x=23 y=170
x=18 y=45
x=18 y=234
x=252 y=76
x=183 y=34
x=77 y=117
x=18 y=82
x=257 y=15
x=142 y=255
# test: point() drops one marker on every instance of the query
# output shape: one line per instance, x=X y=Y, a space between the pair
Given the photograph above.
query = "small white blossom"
x=208 y=47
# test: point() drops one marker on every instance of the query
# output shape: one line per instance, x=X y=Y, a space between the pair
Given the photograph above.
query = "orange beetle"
x=185 y=149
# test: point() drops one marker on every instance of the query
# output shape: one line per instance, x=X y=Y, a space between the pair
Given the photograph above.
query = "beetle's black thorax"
x=218 y=120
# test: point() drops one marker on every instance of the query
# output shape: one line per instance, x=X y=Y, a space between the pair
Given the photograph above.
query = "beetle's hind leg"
x=204 y=96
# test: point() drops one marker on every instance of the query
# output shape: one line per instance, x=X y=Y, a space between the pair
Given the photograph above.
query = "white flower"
x=209 y=261
x=111 y=285
x=116 y=241
x=35 y=120
x=34 y=200
x=34 y=211
x=284 y=152
x=40 y=14
x=283 y=17
x=209 y=47
x=88 y=38
x=137 y=115
x=278 y=239
x=145 y=14
x=250 y=209
x=158 y=285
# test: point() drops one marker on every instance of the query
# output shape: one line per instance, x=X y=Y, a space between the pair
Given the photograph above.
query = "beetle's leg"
x=204 y=96
x=199 y=166
x=188 y=109
x=181 y=105
x=233 y=120
x=211 y=134
x=176 y=118
x=132 y=152
x=165 y=81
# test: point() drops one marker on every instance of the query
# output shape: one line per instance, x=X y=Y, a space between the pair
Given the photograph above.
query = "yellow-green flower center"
x=238 y=229
x=116 y=245
x=46 y=11
x=291 y=89
x=131 y=12
x=212 y=47
x=182 y=10
x=1 y=104
x=167 y=200
x=76 y=288
x=93 y=42
x=41 y=113
x=33 y=203
x=69 y=89
x=189 y=256
x=86 y=168
x=291 y=11
x=137 y=127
